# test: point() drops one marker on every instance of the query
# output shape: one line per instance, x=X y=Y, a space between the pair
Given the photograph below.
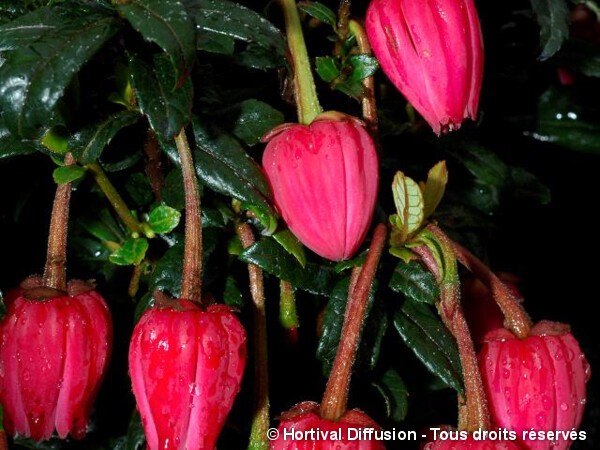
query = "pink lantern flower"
x=53 y=355
x=432 y=51
x=324 y=179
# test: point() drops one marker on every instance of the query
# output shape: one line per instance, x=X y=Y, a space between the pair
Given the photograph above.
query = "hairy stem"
x=335 y=398
x=191 y=279
x=55 y=271
x=260 y=422
x=114 y=198
x=305 y=92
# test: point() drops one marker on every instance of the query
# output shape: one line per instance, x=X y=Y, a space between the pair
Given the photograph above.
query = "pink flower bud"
x=324 y=178
x=433 y=53
x=53 y=356
x=536 y=384
x=186 y=368
x=303 y=420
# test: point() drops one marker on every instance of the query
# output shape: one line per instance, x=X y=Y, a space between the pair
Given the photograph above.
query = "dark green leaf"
x=562 y=122
x=272 y=258
x=351 y=88
x=236 y=21
x=529 y=187
x=163 y=219
x=255 y=118
x=88 y=144
x=375 y=325
x=232 y=295
x=215 y=42
x=166 y=23
x=166 y=275
x=224 y=166
x=132 y=252
x=135 y=438
x=415 y=282
x=172 y=192
x=363 y=66
x=553 y=18
x=67 y=174
x=139 y=189
x=351 y=263
x=425 y=334
x=327 y=68
x=102 y=225
x=13 y=146
x=2 y=311
x=258 y=57
x=287 y=240
x=580 y=56
x=393 y=390
x=11 y=9
x=484 y=164
x=319 y=11
x=34 y=77
x=167 y=107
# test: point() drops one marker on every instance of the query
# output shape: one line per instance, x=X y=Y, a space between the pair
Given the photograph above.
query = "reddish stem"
x=335 y=398
x=55 y=271
x=191 y=279
x=517 y=319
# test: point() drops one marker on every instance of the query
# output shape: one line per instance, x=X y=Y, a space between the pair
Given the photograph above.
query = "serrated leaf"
x=375 y=325
x=319 y=11
x=435 y=186
x=67 y=174
x=415 y=282
x=274 y=259
x=409 y=203
x=166 y=23
x=327 y=68
x=223 y=165
x=132 y=252
x=425 y=334
x=168 y=108
x=254 y=119
x=394 y=392
x=34 y=76
x=88 y=144
x=553 y=18
x=291 y=244
x=163 y=219
x=227 y=18
x=363 y=66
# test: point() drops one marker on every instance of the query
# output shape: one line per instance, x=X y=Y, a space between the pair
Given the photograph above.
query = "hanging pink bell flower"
x=53 y=355
x=324 y=179
x=536 y=385
x=432 y=51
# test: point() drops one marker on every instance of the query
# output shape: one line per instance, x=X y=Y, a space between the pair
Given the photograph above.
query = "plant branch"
x=288 y=315
x=305 y=92
x=260 y=422
x=335 y=398
x=191 y=278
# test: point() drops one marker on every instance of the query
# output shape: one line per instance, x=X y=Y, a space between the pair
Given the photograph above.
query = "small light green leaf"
x=287 y=240
x=327 y=68
x=55 y=140
x=437 y=178
x=163 y=219
x=553 y=18
x=67 y=174
x=363 y=66
x=394 y=392
x=132 y=252
x=255 y=118
x=409 y=203
x=319 y=11
x=415 y=283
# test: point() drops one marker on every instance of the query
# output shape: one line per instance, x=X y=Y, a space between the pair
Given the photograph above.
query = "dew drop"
x=506 y=373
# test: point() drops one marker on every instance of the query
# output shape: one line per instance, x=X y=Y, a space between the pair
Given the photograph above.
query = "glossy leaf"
x=254 y=120
x=67 y=174
x=224 y=166
x=88 y=144
x=287 y=240
x=11 y=9
x=132 y=252
x=274 y=259
x=166 y=23
x=393 y=390
x=163 y=219
x=319 y=11
x=168 y=108
x=10 y=145
x=415 y=282
x=139 y=189
x=232 y=295
x=34 y=77
x=425 y=334
x=166 y=275
x=172 y=192
x=327 y=68
x=363 y=66
x=553 y=18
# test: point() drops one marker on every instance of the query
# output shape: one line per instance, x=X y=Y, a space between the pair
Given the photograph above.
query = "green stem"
x=260 y=421
x=474 y=414
x=288 y=315
x=114 y=198
x=55 y=271
x=335 y=398
x=305 y=92
x=191 y=278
